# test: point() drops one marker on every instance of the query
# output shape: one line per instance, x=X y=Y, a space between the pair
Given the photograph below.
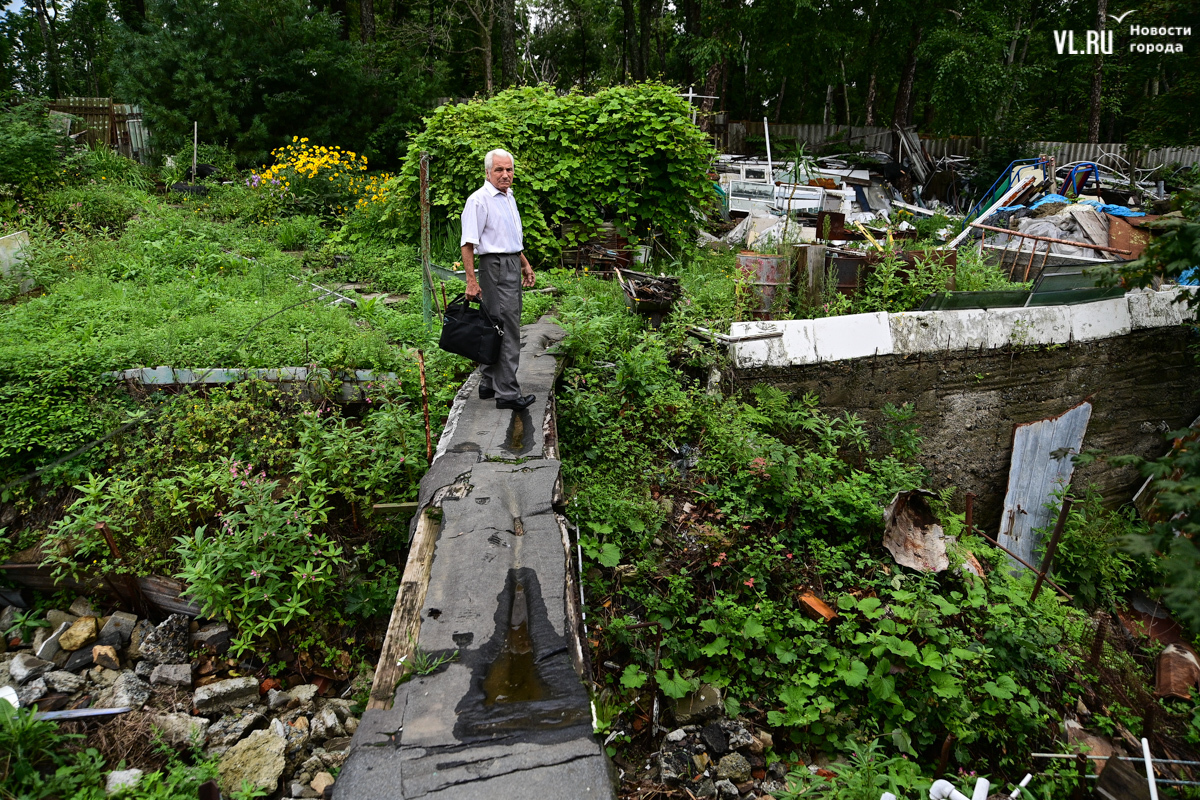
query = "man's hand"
x=473 y=291
x=527 y=277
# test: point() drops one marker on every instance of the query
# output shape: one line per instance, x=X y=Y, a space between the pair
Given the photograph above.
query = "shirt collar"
x=492 y=190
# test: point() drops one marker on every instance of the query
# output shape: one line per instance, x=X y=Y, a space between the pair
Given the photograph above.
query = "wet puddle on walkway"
x=513 y=677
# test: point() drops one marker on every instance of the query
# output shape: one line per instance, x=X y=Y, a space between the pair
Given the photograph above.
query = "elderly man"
x=491 y=230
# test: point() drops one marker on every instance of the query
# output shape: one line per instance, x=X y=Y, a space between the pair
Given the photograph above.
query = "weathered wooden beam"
x=405 y=624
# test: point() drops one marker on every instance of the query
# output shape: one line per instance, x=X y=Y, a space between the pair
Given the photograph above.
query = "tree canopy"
x=256 y=72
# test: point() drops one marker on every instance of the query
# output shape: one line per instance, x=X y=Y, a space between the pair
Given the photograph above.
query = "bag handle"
x=463 y=301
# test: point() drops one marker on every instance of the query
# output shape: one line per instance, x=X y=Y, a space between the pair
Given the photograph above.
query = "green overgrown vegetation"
x=706 y=518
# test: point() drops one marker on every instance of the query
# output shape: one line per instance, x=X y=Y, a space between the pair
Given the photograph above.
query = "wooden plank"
x=405 y=624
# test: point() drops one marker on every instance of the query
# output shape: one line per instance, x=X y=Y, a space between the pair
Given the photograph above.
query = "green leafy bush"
x=628 y=153
x=269 y=562
x=98 y=206
x=1090 y=562
x=32 y=150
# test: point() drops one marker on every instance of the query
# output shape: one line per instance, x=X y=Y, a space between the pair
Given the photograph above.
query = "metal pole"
x=427 y=283
x=770 y=169
x=195 y=147
x=1086 y=245
x=1049 y=559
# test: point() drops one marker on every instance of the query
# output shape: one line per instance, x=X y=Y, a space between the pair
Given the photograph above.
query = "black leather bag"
x=470 y=331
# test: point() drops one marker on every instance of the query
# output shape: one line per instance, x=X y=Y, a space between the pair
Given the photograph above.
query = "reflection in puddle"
x=520 y=433
x=513 y=677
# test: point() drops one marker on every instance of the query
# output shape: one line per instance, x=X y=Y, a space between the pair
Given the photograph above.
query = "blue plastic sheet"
x=1051 y=198
x=1190 y=277
x=1116 y=211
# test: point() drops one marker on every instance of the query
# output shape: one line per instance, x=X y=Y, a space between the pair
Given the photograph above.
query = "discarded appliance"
x=767 y=273
x=1041 y=465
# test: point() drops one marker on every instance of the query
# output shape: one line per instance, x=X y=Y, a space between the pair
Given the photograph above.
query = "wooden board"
x=1125 y=236
x=405 y=624
x=163 y=592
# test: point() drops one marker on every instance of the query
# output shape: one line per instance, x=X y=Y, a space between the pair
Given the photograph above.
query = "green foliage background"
x=628 y=153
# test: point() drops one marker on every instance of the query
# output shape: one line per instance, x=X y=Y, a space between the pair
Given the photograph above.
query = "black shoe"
x=486 y=394
x=519 y=404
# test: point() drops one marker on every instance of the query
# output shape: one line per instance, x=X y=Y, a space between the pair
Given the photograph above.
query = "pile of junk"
x=1047 y=226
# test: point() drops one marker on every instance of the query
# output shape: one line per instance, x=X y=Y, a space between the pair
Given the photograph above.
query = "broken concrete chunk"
x=82 y=607
x=51 y=648
x=168 y=643
x=225 y=695
x=143 y=629
x=172 y=675
x=215 y=635
x=325 y=725
x=127 y=690
x=63 y=681
x=105 y=656
x=56 y=618
x=734 y=768
x=120 y=780
x=82 y=633
x=257 y=759
x=26 y=667
x=322 y=782
x=699 y=706
x=120 y=625
x=31 y=692
x=232 y=728
x=181 y=730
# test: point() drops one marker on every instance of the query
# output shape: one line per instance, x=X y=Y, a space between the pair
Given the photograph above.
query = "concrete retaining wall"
x=973 y=375
x=810 y=341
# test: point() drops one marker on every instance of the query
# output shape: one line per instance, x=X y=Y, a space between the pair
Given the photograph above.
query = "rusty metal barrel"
x=767 y=273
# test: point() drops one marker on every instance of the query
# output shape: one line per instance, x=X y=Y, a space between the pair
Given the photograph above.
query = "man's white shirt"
x=491 y=221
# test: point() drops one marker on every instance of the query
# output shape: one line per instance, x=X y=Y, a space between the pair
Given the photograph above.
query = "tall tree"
x=1097 y=78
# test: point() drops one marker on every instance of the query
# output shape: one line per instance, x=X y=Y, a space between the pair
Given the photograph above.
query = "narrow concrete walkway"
x=509 y=717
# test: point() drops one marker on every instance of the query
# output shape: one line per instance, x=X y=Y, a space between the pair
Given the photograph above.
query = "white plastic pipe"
x=888 y=796
x=944 y=790
x=1024 y=782
x=981 y=789
x=1149 y=769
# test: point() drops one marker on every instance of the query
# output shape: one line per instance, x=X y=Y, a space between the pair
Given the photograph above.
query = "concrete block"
x=1155 y=309
x=938 y=331
x=796 y=346
x=853 y=336
x=159 y=376
x=1022 y=327
x=1103 y=319
x=185 y=376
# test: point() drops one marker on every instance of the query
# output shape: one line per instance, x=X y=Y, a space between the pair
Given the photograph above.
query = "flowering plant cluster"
x=315 y=178
x=266 y=562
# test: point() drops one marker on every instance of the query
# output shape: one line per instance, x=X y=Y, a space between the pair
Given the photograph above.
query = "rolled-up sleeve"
x=474 y=217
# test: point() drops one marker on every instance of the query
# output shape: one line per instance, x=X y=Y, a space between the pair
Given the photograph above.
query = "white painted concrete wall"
x=807 y=341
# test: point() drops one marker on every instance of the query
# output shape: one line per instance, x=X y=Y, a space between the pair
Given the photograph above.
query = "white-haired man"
x=491 y=230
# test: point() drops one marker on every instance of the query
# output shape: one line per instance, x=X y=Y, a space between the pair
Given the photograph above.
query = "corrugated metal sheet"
x=1035 y=474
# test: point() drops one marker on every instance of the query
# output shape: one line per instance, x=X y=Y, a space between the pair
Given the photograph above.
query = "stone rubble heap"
x=287 y=743
x=710 y=755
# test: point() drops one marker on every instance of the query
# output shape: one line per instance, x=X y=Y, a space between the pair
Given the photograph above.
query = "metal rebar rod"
x=1138 y=759
x=1026 y=564
x=1048 y=561
x=1029 y=266
x=1085 y=245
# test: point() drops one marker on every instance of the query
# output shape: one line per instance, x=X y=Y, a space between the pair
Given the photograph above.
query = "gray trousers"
x=499 y=276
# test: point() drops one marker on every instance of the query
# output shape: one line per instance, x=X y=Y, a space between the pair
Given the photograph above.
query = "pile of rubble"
x=286 y=742
x=711 y=755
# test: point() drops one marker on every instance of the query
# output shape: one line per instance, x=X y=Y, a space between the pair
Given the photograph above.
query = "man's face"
x=501 y=173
